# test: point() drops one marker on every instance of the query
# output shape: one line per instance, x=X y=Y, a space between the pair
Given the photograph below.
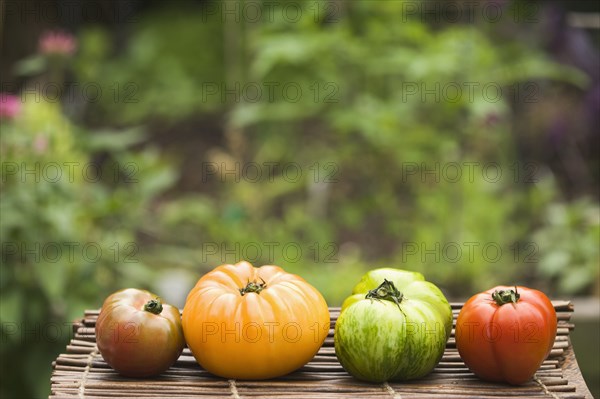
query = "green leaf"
x=575 y=280
x=33 y=65
x=112 y=140
x=555 y=262
x=10 y=306
x=52 y=277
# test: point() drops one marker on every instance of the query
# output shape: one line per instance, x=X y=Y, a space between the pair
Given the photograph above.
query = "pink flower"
x=40 y=143
x=10 y=106
x=492 y=119
x=57 y=42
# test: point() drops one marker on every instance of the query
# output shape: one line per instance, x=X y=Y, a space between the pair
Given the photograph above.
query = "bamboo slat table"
x=82 y=373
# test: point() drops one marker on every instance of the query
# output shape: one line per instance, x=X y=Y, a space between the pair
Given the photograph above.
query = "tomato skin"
x=373 y=278
x=370 y=340
x=379 y=340
x=509 y=342
x=260 y=334
x=136 y=342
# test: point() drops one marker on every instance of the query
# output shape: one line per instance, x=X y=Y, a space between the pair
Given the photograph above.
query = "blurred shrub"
x=568 y=243
x=375 y=116
x=160 y=71
x=70 y=230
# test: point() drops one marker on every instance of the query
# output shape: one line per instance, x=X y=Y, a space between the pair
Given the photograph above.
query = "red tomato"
x=137 y=335
x=505 y=333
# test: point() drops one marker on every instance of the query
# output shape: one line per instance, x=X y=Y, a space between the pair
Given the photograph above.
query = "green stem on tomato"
x=153 y=306
x=386 y=291
x=503 y=297
x=253 y=286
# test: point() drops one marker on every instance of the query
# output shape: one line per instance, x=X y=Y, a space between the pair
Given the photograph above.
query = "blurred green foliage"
x=70 y=231
x=363 y=139
x=568 y=243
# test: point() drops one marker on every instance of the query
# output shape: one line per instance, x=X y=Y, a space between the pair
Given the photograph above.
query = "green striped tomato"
x=394 y=328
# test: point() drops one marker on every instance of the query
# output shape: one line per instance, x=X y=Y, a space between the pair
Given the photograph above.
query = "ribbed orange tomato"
x=254 y=323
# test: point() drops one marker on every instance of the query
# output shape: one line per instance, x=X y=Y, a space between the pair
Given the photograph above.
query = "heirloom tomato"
x=505 y=333
x=393 y=328
x=137 y=334
x=254 y=323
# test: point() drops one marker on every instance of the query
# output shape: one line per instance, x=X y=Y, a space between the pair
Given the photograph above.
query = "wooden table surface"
x=81 y=372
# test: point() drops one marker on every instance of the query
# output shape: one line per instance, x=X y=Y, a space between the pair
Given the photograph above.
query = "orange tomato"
x=505 y=333
x=254 y=323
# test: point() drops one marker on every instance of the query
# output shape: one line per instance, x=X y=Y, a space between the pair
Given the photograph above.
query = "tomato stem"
x=153 y=306
x=253 y=286
x=386 y=291
x=503 y=297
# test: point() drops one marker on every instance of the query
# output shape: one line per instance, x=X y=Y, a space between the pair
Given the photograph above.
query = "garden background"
x=144 y=143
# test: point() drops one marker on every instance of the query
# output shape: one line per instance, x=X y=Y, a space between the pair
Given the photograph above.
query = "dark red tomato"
x=137 y=334
x=505 y=333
